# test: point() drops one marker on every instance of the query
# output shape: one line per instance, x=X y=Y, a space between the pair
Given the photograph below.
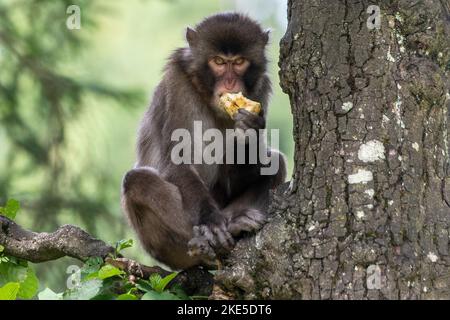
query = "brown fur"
x=164 y=201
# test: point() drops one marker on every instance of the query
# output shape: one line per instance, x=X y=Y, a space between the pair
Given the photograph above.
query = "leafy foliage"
x=95 y=280
x=17 y=280
x=98 y=281
x=9 y=291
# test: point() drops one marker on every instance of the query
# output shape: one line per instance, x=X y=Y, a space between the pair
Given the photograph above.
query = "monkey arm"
x=197 y=200
x=210 y=225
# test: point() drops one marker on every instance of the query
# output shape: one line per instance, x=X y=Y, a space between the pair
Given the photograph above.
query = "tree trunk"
x=367 y=213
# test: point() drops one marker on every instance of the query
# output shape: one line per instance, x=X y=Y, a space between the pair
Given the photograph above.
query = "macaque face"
x=228 y=72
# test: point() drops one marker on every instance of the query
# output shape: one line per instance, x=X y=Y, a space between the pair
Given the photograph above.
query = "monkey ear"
x=191 y=36
x=266 y=36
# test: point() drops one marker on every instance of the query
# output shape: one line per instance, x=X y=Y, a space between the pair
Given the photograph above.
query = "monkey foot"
x=199 y=246
x=209 y=239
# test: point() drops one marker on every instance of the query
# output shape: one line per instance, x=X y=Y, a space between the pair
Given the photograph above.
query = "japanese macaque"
x=189 y=214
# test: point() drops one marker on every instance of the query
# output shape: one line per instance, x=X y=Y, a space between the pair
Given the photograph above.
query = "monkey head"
x=227 y=55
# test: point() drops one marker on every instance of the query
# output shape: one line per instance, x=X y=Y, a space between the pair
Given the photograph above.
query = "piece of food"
x=232 y=102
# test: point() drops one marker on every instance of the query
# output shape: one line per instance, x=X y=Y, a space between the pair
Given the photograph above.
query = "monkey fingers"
x=247 y=120
x=224 y=237
x=251 y=220
x=205 y=231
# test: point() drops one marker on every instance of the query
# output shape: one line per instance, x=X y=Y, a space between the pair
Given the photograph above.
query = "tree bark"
x=367 y=213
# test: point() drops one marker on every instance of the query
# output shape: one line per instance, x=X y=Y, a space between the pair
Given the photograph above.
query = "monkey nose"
x=230 y=83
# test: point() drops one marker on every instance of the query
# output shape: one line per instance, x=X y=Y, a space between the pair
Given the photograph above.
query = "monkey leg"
x=248 y=212
x=154 y=208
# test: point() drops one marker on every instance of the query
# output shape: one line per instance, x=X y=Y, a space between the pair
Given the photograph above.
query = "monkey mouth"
x=225 y=92
x=228 y=91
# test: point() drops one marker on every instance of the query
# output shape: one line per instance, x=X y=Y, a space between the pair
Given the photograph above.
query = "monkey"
x=189 y=214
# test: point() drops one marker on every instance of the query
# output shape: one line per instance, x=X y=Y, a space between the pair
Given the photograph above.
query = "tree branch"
x=67 y=240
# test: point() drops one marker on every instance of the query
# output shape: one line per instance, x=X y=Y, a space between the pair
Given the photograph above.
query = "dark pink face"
x=228 y=71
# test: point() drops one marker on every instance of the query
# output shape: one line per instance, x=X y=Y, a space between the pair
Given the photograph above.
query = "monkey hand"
x=249 y=220
x=247 y=120
x=210 y=239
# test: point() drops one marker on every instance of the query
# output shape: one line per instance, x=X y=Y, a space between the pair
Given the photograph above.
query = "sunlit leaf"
x=29 y=286
x=109 y=271
x=164 y=282
x=127 y=296
x=11 y=209
x=9 y=291
x=90 y=276
x=48 y=294
x=86 y=291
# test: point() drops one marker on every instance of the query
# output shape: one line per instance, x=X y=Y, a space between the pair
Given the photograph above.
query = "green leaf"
x=123 y=244
x=11 y=209
x=2 y=248
x=29 y=286
x=179 y=292
x=10 y=272
x=165 y=281
x=18 y=262
x=159 y=284
x=109 y=271
x=153 y=295
x=144 y=286
x=154 y=281
x=91 y=266
x=94 y=262
x=86 y=291
x=25 y=276
x=127 y=296
x=48 y=294
x=90 y=276
x=9 y=291
x=109 y=289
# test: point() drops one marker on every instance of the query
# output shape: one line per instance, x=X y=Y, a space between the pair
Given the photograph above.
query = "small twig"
x=136 y=269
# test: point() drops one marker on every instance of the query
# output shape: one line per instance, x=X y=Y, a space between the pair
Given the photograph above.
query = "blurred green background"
x=71 y=100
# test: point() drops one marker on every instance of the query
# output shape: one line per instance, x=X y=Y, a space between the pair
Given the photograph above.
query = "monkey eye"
x=219 y=61
x=239 y=61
